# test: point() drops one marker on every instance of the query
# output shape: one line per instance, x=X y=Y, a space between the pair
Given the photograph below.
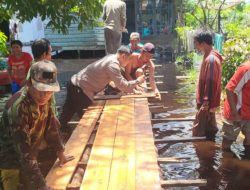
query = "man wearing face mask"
x=208 y=87
x=84 y=85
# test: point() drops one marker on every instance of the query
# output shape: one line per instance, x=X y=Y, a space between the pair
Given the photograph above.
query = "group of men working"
x=29 y=122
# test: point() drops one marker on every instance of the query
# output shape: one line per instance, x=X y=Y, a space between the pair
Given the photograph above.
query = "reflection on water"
x=205 y=159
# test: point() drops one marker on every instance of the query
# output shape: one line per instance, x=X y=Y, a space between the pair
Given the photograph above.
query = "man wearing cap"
x=84 y=85
x=135 y=45
x=137 y=63
x=114 y=17
x=27 y=124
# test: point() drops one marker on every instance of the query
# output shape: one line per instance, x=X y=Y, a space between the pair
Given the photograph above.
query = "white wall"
x=30 y=31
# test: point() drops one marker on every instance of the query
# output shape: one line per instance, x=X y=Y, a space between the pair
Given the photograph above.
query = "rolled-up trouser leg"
x=10 y=178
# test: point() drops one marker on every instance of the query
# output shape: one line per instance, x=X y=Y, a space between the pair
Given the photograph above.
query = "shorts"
x=232 y=131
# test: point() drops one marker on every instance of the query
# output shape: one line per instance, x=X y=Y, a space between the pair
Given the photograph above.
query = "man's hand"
x=236 y=119
x=136 y=91
x=141 y=79
x=63 y=159
x=139 y=88
x=205 y=106
x=157 y=93
x=125 y=30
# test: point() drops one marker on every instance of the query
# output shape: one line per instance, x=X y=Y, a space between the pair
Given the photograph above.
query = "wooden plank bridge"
x=114 y=148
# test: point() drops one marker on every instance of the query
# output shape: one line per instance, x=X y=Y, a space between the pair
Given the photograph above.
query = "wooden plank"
x=122 y=175
x=163 y=120
x=184 y=183
x=182 y=77
x=158 y=109
x=175 y=160
x=147 y=171
x=181 y=139
x=118 y=96
x=98 y=169
x=157 y=82
x=59 y=177
x=73 y=122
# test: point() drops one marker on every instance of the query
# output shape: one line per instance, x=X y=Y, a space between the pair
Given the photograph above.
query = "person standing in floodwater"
x=237 y=109
x=208 y=90
x=114 y=17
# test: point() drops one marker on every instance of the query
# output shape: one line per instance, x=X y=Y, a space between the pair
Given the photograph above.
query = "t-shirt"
x=240 y=85
x=137 y=49
x=97 y=75
x=19 y=66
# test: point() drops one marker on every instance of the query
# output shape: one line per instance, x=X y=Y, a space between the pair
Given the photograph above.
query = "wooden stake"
x=184 y=183
x=177 y=140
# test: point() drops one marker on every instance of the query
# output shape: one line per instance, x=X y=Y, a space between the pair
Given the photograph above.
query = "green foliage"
x=60 y=12
x=236 y=51
x=238 y=25
x=3 y=48
x=181 y=31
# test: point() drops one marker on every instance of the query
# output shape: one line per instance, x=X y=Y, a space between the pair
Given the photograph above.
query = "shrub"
x=3 y=48
x=236 y=52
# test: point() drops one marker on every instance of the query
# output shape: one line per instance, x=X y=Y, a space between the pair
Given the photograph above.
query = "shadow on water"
x=205 y=159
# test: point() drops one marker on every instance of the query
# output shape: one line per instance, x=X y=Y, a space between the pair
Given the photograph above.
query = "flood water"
x=205 y=160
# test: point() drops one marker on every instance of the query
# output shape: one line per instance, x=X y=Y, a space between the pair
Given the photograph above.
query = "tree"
x=202 y=13
x=59 y=12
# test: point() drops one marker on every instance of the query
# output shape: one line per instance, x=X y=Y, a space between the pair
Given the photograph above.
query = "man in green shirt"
x=29 y=122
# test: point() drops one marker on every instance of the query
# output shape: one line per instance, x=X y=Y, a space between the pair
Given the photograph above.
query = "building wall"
x=154 y=17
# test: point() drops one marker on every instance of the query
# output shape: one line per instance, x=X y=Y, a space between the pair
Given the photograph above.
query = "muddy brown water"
x=207 y=161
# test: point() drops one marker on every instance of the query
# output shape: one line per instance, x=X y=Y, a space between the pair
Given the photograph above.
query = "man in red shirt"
x=208 y=87
x=19 y=64
x=237 y=108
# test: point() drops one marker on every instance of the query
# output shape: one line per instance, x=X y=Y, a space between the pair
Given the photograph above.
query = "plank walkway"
x=123 y=154
x=59 y=177
x=117 y=160
x=123 y=140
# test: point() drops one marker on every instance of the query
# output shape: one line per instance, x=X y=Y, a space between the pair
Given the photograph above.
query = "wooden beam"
x=182 y=77
x=118 y=96
x=163 y=120
x=184 y=183
x=163 y=92
x=175 y=160
x=73 y=122
x=159 y=76
x=147 y=169
x=97 y=172
x=157 y=109
x=176 y=140
x=59 y=177
x=157 y=82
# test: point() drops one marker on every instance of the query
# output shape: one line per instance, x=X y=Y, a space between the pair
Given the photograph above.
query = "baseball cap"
x=124 y=49
x=134 y=35
x=148 y=47
x=43 y=76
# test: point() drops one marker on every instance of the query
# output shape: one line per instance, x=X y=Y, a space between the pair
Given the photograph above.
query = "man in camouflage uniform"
x=29 y=122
